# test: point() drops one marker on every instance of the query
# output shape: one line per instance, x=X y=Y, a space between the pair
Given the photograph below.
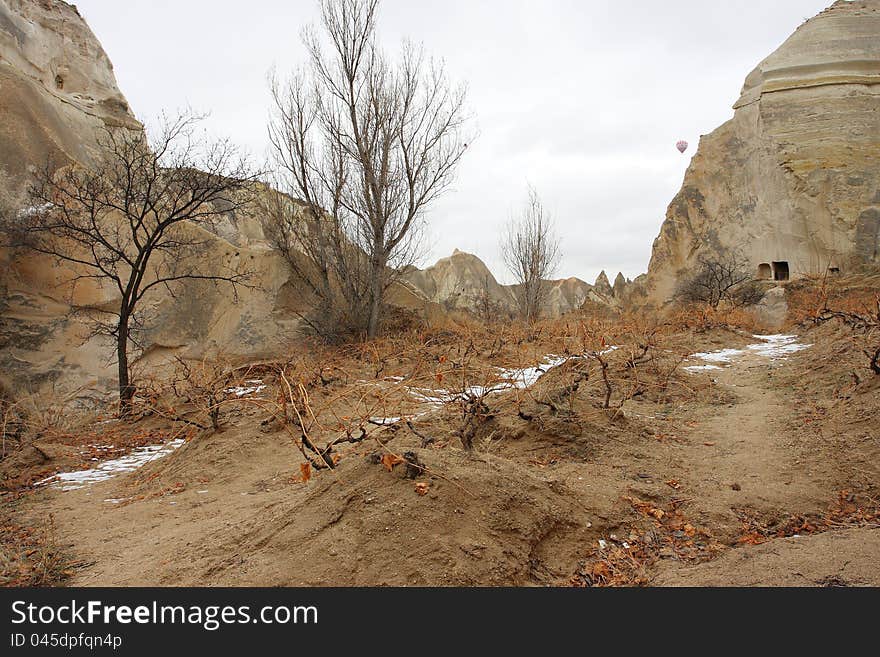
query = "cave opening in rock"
x=765 y=272
x=780 y=271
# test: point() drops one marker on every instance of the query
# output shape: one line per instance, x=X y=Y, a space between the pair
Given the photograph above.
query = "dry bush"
x=47 y=413
x=700 y=318
x=206 y=386
x=718 y=279
x=854 y=301
x=30 y=557
x=812 y=297
x=198 y=393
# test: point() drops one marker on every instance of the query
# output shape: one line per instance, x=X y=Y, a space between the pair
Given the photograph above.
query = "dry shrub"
x=811 y=297
x=700 y=318
x=30 y=557
x=196 y=393
x=47 y=413
x=854 y=301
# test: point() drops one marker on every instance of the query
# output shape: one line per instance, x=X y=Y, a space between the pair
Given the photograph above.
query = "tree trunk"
x=377 y=289
x=126 y=389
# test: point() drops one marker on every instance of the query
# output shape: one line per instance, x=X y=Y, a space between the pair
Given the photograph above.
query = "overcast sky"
x=583 y=99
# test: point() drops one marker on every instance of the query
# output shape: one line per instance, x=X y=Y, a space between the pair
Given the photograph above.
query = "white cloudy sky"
x=583 y=99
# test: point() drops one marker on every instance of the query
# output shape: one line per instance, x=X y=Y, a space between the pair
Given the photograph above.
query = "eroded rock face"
x=602 y=286
x=793 y=180
x=57 y=87
x=459 y=282
x=57 y=95
x=462 y=281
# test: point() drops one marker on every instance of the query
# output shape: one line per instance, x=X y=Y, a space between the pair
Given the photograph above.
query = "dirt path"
x=738 y=454
x=745 y=458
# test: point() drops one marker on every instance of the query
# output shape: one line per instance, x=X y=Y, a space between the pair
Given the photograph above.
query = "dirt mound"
x=849 y=557
x=227 y=509
x=487 y=522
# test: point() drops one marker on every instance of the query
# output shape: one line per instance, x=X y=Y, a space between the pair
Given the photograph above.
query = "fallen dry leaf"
x=422 y=487
x=672 y=483
x=646 y=508
x=709 y=443
x=390 y=460
x=601 y=569
x=306 y=470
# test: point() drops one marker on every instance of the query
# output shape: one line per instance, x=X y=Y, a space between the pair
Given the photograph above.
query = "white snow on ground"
x=774 y=347
x=507 y=379
x=33 y=210
x=528 y=376
x=720 y=356
x=252 y=387
x=777 y=346
x=109 y=469
x=385 y=421
x=702 y=368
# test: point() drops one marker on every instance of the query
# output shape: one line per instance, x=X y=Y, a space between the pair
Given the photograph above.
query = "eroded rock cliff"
x=57 y=87
x=463 y=282
x=57 y=95
x=793 y=180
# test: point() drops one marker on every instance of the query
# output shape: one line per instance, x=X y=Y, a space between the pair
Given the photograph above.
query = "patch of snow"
x=528 y=376
x=508 y=379
x=385 y=421
x=720 y=356
x=774 y=347
x=777 y=346
x=34 y=210
x=254 y=386
x=109 y=469
x=701 y=368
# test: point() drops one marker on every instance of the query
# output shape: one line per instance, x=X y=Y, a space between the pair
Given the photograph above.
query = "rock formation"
x=620 y=284
x=792 y=180
x=57 y=93
x=57 y=88
x=463 y=281
x=602 y=286
x=460 y=282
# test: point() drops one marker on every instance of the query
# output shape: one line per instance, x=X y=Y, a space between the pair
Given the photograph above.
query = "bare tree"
x=135 y=220
x=724 y=277
x=530 y=250
x=366 y=145
x=487 y=309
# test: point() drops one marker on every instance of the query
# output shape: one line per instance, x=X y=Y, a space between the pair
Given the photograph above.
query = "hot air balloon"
x=682 y=146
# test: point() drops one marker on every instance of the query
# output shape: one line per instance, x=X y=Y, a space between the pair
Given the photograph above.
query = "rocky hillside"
x=792 y=179
x=58 y=94
x=463 y=282
x=58 y=87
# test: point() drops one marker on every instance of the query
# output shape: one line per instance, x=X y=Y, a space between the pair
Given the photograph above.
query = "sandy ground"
x=534 y=507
